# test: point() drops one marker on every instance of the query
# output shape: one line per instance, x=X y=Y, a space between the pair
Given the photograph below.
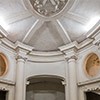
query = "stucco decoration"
x=48 y=7
x=92 y=65
x=3 y=64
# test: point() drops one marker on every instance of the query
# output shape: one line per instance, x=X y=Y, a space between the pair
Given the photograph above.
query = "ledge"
x=7 y=82
x=89 y=82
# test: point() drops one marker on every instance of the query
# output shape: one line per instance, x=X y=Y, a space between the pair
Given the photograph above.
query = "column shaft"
x=20 y=79
x=72 y=79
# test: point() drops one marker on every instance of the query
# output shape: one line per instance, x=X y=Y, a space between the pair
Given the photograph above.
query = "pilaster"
x=71 y=76
x=21 y=57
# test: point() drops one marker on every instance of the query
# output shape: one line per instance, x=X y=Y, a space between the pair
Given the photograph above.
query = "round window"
x=3 y=64
x=92 y=65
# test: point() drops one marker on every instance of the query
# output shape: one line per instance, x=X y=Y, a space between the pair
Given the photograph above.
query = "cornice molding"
x=23 y=46
x=97 y=39
x=3 y=32
x=7 y=82
x=76 y=45
x=69 y=50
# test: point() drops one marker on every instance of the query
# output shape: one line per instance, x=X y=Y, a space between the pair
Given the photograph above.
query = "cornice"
x=97 y=39
x=68 y=50
x=54 y=56
x=18 y=45
x=7 y=82
x=3 y=32
x=46 y=54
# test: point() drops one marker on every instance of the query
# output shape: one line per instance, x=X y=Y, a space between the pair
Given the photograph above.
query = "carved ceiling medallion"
x=48 y=7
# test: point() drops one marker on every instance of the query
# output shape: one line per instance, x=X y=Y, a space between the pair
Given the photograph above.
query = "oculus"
x=3 y=64
x=48 y=7
x=92 y=65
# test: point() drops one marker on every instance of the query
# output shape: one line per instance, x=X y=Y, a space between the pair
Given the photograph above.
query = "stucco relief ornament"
x=48 y=7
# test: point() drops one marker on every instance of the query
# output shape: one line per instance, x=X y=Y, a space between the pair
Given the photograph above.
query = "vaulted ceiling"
x=20 y=21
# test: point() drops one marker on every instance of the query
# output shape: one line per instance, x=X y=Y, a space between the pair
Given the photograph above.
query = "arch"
x=45 y=86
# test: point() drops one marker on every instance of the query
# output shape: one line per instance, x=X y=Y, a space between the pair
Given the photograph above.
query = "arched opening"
x=45 y=88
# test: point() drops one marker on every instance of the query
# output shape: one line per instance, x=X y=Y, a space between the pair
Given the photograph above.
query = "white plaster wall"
x=81 y=74
x=11 y=73
x=53 y=68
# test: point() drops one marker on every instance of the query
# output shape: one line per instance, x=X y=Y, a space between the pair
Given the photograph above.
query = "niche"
x=92 y=65
x=45 y=89
x=3 y=64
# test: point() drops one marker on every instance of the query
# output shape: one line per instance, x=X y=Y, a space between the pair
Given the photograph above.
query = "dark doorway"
x=92 y=96
x=3 y=95
x=45 y=88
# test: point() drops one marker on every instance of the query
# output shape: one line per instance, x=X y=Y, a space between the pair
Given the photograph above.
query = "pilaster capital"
x=21 y=58
x=21 y=54
x=70 y=51
x=74 y=57
x=71 y=54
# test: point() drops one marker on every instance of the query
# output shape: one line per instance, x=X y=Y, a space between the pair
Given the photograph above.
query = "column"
x=19 y=93
x=72 y=78
x=67 y=83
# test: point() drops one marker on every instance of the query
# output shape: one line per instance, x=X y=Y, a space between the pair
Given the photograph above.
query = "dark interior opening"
x=45 y=88
x=92 y=96
x=3 y=95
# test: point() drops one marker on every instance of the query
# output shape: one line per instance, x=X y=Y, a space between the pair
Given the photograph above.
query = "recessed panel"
x=3 y=64
x=92 y=65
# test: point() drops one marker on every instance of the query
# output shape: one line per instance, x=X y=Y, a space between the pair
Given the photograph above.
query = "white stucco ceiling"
x=23 y=24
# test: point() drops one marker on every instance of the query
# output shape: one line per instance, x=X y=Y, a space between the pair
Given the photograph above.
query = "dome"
x=46 y=28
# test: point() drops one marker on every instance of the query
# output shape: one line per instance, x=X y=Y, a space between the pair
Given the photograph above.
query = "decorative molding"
x=69 y=46
x=23 y=46
x=71 y=57
x=18 y=57
x=70 y=50
x=3 y=32
x=48 y=7
x=37 y=24
x=93 y=81
x=67 y=6
x=64 y=31
x=92 y=87
x=7 y=82
x=76 y=17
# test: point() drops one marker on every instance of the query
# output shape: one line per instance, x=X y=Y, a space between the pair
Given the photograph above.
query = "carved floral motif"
x=48 y=7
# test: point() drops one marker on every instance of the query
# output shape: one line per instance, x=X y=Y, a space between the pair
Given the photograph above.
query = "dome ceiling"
x=48 y=24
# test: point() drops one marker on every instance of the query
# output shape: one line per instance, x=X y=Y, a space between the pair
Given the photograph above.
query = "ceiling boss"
x=48 y=7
